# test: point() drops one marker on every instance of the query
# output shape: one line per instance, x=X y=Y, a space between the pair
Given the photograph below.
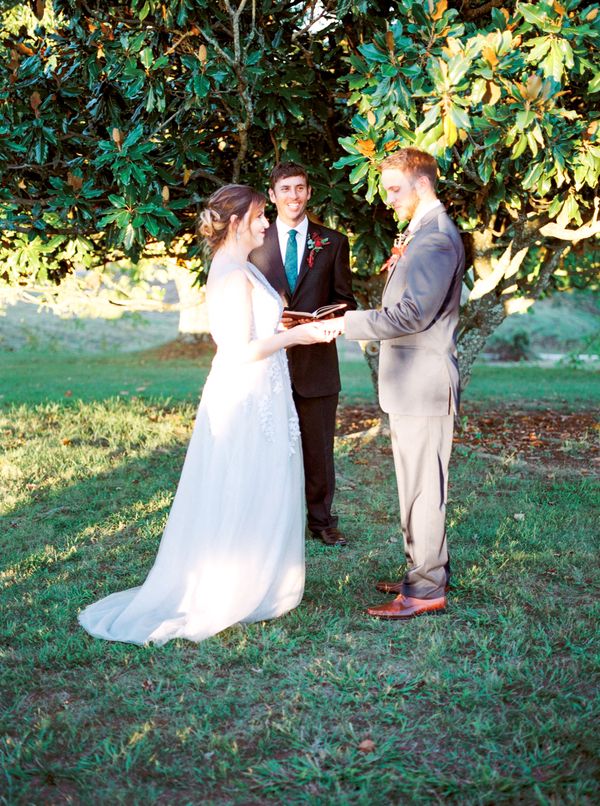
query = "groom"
x=418 y=373
x=309 y=266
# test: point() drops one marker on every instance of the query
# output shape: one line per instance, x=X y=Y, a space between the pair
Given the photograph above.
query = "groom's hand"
x=336 y=326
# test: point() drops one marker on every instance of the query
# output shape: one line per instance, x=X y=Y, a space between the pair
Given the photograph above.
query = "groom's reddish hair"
x=412 y=161
x=285 y=170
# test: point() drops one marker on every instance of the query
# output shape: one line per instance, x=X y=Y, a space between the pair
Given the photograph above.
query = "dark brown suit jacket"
x=314 y=370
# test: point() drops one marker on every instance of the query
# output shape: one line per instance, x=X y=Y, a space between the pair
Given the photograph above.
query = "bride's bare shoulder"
x=228 y=277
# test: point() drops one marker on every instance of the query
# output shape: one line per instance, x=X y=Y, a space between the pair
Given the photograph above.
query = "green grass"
x=37 y=377
x=555 y=387
x=494 y=702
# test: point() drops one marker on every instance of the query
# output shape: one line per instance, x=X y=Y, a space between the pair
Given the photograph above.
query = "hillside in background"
x=567 y=322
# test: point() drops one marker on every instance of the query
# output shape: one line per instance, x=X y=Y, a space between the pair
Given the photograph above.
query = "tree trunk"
x=193 y=314
x=368 y=291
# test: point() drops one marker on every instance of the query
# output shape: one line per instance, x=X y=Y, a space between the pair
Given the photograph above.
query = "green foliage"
x=502 y=106
x=506 y=100
x=117 y=121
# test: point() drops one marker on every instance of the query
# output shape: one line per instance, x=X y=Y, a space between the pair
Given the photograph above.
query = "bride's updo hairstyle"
x=230 y=200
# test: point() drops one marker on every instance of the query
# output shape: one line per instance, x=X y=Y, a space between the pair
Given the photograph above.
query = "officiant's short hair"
x=285 y=170
x=412 y=161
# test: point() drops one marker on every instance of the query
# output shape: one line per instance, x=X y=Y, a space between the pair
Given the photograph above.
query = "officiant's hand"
x=287 y=322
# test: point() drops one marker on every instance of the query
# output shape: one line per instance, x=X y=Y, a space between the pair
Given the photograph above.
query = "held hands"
x=336 y=325
x=316 y=332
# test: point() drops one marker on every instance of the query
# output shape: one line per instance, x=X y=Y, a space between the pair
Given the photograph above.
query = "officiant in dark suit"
x=308 y=264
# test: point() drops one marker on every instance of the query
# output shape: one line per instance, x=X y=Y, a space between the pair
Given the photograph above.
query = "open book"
x=292 y=318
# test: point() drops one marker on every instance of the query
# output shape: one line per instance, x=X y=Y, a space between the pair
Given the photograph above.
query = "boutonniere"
x=398 y=250
x=315 y=243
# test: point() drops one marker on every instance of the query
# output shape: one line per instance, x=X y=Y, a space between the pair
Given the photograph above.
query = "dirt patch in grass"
x=179 y=349
x=353 y=419
x=553 y=439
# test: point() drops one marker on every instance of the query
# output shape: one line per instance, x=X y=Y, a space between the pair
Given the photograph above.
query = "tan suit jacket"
x=417 y=322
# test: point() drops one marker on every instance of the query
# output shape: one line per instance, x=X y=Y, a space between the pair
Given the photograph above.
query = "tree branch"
x=200 y=172
x=589 y=230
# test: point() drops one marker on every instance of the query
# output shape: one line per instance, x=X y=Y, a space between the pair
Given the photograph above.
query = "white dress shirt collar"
x=427 y=208
x=283 y=228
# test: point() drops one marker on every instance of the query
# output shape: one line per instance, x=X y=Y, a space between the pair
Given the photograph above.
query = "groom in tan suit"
x=418 y=373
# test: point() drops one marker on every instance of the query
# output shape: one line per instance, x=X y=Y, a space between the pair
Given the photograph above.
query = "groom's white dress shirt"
x=282 y=234
x=414 y=222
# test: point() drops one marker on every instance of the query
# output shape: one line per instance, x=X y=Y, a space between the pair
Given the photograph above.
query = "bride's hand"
x=313 y=333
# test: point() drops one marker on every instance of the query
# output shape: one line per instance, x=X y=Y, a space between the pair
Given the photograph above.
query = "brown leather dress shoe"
x=330 y=536
x=395 y=587
x=403 y=607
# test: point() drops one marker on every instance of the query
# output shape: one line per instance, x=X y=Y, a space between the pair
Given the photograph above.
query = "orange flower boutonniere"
x=398 y=250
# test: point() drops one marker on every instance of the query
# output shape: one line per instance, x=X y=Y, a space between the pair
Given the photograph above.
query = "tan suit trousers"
x=422 y=447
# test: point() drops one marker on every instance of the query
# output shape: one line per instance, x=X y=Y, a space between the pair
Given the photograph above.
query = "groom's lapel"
x=430 y=216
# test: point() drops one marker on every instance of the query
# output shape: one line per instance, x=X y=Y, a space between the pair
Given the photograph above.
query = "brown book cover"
x=293 y=318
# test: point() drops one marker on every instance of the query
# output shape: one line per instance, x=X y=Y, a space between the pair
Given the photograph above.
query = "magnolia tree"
x=503 y=99
x=118 y=119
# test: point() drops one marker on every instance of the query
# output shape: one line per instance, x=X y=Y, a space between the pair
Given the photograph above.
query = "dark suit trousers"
x=317 y=428
x=422 y=447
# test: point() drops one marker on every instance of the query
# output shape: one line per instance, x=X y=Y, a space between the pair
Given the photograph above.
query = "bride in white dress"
x=233 y=547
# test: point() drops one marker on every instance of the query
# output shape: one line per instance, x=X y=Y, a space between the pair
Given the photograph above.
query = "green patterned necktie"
x=291 y=260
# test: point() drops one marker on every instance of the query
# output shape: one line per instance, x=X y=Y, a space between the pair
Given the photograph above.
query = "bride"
x=233 y=547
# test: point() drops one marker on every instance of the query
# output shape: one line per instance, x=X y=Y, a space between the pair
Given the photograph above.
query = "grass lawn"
x=494 y=702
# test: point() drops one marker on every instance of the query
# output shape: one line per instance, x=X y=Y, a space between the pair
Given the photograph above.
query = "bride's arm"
x=231 y=324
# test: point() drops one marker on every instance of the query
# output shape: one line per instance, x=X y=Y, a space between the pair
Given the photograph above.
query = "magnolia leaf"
x=450 y=131
x=390 y=42
x=366 y=147
x=533 y=86
x=515 y=262
x=74 y=181
x=440 y=8
x=489 y=54
x=358 y=172
x=492 y=94
x=517 y=305
x=569 y=212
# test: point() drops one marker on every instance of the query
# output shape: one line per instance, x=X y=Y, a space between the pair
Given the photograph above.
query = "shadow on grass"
x=111 y=521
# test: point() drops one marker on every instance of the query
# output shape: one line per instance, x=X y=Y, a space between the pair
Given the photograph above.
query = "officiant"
x=308 y=264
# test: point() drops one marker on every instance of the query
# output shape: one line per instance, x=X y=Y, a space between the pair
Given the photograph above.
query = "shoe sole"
x=397 y=592
x=329 y=545
x=437 y=611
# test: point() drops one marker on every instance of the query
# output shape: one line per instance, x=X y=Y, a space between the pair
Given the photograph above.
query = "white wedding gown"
x=233 y=547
